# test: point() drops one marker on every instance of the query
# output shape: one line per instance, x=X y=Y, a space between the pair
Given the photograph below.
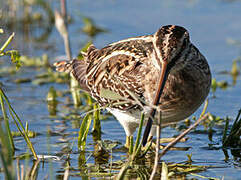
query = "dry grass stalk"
x=158 y=132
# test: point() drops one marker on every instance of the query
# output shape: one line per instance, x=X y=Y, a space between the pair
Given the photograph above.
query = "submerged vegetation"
x=96 y=156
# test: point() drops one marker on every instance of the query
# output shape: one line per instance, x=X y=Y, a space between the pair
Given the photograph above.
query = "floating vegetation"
x=30 y=134
x=234 y=73
x=37 y=62
x=212 y=120
x=90 y=28
x=142 y=170
x=221 y=84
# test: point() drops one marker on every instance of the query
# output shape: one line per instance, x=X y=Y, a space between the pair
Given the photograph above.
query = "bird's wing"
x=115 y=75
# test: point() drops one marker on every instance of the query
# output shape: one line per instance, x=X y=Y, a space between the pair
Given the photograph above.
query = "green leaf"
x=15 y=57
x=96 y=125
x=83 y=132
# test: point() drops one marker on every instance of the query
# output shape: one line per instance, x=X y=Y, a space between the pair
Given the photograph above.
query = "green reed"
x=96 y=131
x=7 y=148
x=83 y=132
x=3 y=99
x=7 y=127
x=232 y=139
x=18 y=124
x=138 y=143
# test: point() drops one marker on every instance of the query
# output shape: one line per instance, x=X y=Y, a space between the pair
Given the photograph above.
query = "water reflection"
x=33 y=19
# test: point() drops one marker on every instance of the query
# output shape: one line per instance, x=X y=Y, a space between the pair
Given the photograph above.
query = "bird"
x=162 y=71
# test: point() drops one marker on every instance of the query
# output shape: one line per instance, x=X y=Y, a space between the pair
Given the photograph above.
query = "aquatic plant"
x=232 y=138
x=7 y=143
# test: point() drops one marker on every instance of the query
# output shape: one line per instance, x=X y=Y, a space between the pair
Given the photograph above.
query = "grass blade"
x=5 y=117
x=96 y=124
x=138 y=144
x=83 y=132
x=18 y=122
x=5 y=45
x=6 y=155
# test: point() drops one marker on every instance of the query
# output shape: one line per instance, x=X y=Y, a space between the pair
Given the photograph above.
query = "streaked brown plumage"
x=132 y=67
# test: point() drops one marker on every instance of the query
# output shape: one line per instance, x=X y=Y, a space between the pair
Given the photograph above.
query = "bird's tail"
x=77 y=68
x=64 y=66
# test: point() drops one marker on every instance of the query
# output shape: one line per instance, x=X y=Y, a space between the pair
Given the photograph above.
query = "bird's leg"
x=129 y=128
x=129 y=141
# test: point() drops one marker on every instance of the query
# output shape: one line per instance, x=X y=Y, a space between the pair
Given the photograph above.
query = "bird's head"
x=169 y=43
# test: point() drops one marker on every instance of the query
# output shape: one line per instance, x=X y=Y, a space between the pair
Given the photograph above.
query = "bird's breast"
x=184 y=91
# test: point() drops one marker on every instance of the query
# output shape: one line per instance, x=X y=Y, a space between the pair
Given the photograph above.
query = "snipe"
x=136 y=68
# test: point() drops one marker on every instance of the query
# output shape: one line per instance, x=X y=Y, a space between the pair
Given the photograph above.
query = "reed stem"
x=18 y=122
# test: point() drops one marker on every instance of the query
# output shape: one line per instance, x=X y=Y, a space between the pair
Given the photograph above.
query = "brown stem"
x=63 y=9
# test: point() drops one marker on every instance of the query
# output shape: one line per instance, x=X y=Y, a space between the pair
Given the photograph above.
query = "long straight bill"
x=161 y=85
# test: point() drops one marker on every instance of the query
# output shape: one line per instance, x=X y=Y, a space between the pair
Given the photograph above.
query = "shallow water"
x=210 y=23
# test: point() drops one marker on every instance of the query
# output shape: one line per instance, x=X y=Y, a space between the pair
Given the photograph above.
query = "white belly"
x=130 y=120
